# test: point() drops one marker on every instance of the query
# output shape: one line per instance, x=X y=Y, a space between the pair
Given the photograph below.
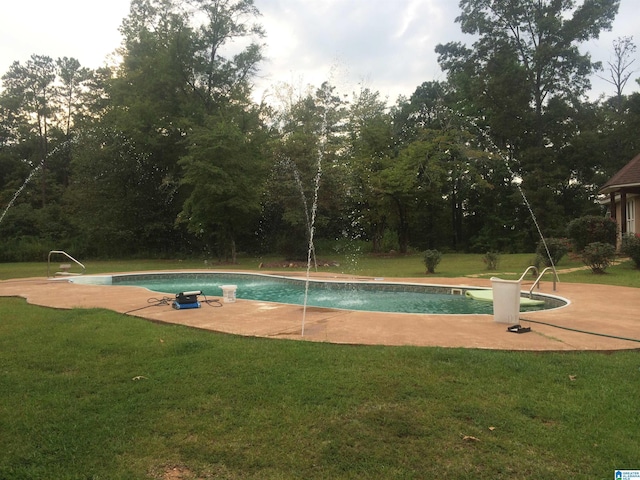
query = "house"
x=624 y=197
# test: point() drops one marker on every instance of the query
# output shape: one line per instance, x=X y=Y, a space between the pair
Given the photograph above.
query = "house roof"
x=627 y=176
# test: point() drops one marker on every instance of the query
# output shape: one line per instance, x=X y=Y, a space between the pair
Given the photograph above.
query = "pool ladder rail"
x=539 y=278
x=64 y=267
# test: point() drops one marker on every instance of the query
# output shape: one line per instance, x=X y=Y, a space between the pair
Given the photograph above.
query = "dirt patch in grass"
x=175 y=472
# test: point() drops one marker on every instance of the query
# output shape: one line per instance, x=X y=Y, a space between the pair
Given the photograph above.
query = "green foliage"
x=598 y=256
x=28 y=233
x=390 y=241
x=223 y=171
x=524 y=73
x=119 y=204
x=307 y=170
x=168 y=153
x=26 y=249
x=631 y=247
x=293 y=244
x=491 y=260
x=431 y=260
x=508 y=42
x=589 y=229
x=558 y=248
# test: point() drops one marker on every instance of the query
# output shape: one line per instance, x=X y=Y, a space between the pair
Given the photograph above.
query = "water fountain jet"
x=314 y=210
x=19 y=191
x=289 y=164
x=498 y=151
x=33 y=172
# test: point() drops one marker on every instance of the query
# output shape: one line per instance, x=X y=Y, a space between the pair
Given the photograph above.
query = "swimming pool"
x=374 y=296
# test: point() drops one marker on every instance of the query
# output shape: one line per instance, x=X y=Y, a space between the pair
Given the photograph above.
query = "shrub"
x=631 y=247
x=590 y=229
x=598 y=256
x=558 y=248
x=491 y=260
x=390 y=241
x=25 y=249
x=431 y=260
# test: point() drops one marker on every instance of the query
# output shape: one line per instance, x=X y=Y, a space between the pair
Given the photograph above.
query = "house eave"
x=629 y=187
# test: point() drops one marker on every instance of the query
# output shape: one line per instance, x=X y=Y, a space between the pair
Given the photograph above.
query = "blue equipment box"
x=183 y=306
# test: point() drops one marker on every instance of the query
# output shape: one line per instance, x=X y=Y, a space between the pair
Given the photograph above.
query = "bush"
x=431 y=260
x=491 y=260
x=26 y=249
x=390 y=241
x=598 y=256
x=558 y=248
x=631 y=247
x=591 y=229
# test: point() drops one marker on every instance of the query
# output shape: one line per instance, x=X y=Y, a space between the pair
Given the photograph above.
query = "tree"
x=522 y=83
x=445 y=177
x=72 y=79
x=115 y=198
x=544 y=36
x=620 y=66
x=29 y=94
x=310 y=152
x=215 y=76
x=174 y=82
x=371 y=140
x=194 y=45
x=413 y=182
x=224 y=169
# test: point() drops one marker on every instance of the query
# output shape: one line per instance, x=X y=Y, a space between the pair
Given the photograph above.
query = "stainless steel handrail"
x=537 y=282
x=60 y=252
x=525 y=272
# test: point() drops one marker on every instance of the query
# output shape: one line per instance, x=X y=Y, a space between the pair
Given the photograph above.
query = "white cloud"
x=86 y=30
x=387 y=45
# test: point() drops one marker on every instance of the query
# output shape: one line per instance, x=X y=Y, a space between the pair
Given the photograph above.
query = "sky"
x=384 y=45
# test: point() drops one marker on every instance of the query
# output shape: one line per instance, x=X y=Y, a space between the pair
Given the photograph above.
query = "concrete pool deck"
x=606 y=310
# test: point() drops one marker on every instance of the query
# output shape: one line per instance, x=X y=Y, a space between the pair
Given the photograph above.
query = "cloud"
x=87 y=31
x=385 y=45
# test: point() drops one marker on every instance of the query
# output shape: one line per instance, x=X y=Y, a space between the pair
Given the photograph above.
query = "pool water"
x=378 y=297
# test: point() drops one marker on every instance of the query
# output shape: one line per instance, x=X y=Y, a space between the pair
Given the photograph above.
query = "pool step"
x=487 y=296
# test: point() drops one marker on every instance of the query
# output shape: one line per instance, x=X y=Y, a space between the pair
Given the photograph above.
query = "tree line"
x=166 y=154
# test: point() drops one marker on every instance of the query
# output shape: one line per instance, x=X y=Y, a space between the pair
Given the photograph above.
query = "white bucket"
x=506 y=300
x=229 y=293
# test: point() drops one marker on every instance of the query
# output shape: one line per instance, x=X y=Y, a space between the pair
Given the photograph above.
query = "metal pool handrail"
x=531 y=267
x=537 y=282
x=60 y=252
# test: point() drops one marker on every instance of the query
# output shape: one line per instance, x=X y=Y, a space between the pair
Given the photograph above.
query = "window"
x=631 y=216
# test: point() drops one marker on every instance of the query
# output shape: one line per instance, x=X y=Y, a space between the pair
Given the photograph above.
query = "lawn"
x=452 y=265
x=91 y=394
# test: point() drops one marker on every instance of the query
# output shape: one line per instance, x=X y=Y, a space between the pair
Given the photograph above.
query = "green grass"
x=91 y=394
x=452 y=265
x=94 y=394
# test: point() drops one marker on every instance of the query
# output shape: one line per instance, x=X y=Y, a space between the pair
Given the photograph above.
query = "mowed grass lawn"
x=92 y=394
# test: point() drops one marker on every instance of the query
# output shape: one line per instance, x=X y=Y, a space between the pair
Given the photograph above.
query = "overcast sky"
x=385 y=45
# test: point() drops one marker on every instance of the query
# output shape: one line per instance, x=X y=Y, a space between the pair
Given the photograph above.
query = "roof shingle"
x=629 y=175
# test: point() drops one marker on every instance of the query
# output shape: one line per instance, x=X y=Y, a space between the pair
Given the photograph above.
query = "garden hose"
x=583 y=331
